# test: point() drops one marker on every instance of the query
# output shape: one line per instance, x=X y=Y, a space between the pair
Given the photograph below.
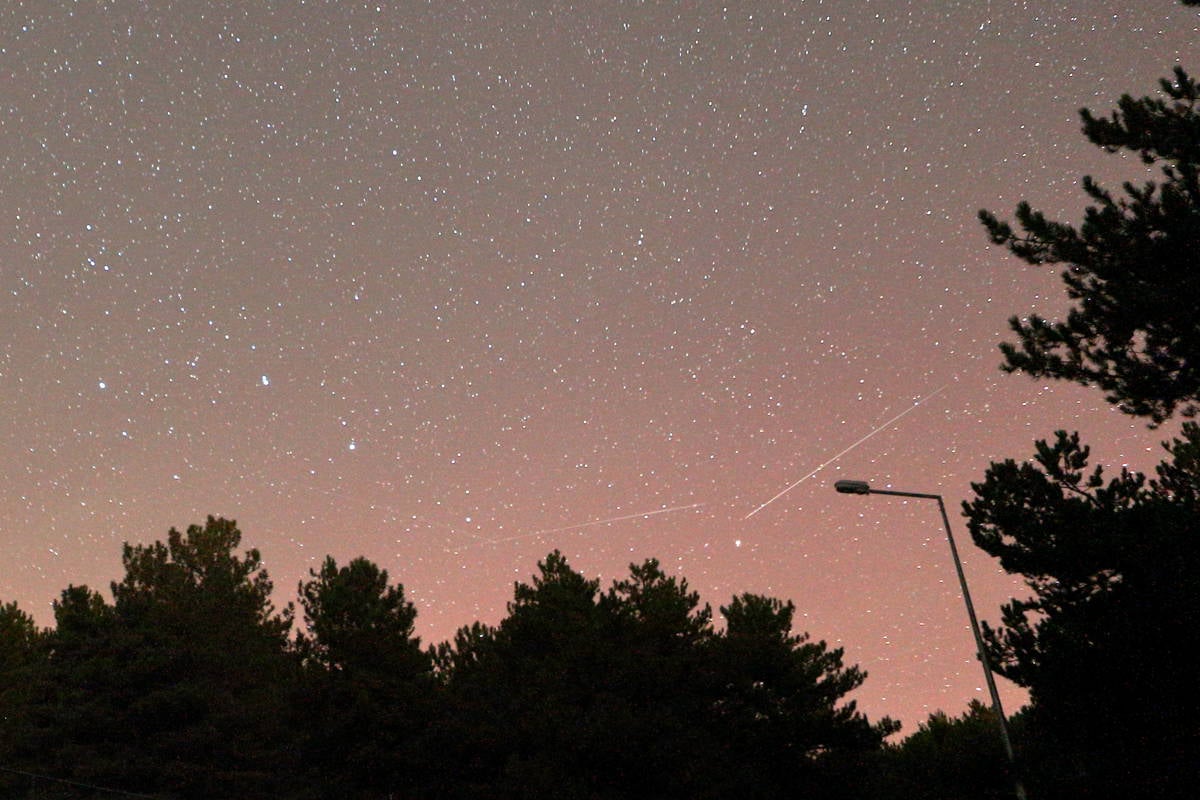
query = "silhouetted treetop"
x=1114 y=566
x=1132 y=266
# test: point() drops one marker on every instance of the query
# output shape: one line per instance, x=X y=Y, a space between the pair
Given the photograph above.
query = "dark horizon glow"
x=451 y=285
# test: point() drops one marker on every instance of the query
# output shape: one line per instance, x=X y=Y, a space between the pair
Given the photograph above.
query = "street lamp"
x=862 y=487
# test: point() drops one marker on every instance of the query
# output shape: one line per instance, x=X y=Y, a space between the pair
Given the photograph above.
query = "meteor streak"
x=882 y=427
x=577 y=526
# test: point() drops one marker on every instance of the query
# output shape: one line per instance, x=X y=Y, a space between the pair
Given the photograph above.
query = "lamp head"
x=853 y=487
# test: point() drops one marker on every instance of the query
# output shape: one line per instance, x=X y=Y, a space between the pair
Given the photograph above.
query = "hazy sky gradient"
x=444 y=283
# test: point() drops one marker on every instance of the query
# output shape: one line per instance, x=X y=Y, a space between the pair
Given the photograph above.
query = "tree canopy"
x=202 y=658
x=1114 y=567
x=366 y=682
x=1113 y=564
x=577 y=691
x=1131 y=266
x=949 y=758
x=190 y=684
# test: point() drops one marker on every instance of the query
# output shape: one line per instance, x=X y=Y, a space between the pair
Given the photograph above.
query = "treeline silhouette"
x=190 y=684
x=1112 y=563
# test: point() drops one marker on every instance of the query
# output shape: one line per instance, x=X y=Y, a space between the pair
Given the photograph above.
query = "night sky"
x=451 y=285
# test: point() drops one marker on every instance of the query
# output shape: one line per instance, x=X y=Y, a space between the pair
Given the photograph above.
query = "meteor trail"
x=884 y=426
x=575 y=527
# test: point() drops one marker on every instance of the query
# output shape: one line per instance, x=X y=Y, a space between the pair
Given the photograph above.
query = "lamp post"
x=862 y=487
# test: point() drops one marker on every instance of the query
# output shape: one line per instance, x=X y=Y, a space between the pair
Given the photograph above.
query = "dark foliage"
x=367 y=684
x=950 y=758
x=187 y=685
x=1114 y=566
x=1132 y=266
x=178 y=688
x=1113 y=563
x=632 y=693
x=22 y=662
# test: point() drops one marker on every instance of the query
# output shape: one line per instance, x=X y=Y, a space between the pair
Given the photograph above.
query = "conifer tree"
x=1132 y=266
x=1112 y=563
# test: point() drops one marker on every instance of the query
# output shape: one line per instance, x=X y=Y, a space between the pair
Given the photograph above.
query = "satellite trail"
x=884 y=426
x=575 y=527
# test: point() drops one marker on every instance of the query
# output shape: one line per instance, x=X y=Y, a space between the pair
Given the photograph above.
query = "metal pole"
x=983 y=657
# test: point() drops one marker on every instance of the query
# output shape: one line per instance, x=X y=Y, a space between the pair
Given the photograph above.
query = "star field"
x=453 y=284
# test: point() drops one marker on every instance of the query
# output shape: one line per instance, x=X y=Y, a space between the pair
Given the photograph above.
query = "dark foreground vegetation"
x=189 y=683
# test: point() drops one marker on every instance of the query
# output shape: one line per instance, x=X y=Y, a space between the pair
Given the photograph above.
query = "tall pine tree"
x=1132 y=266
x=1103 y=642
x=184 y=685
